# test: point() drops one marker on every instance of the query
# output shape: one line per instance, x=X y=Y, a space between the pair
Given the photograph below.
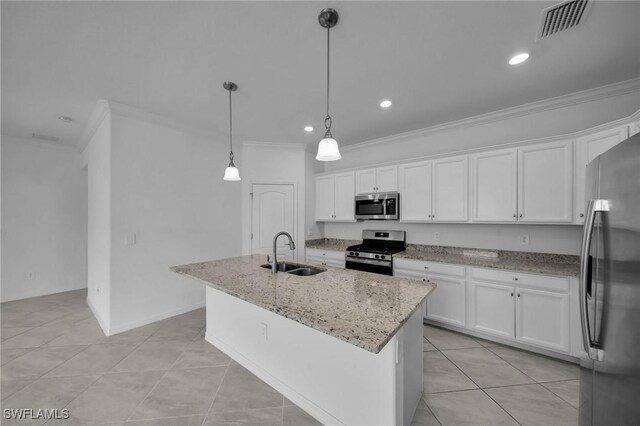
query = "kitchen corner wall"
x=548 y=118
x=168 y=206
x=277 y=163
x=44 y=219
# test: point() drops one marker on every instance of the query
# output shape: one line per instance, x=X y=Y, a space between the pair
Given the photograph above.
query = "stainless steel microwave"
x=380 y=206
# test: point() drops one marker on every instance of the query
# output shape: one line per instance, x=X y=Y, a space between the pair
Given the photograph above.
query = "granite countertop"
x=360 y=308
x=330 y=244
x=538 y=263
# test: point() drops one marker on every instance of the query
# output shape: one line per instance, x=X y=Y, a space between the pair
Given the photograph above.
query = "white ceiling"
x=437 y=61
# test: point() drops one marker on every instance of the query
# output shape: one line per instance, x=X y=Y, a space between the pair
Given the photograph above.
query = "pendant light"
x=231 y=172
x=328 y=147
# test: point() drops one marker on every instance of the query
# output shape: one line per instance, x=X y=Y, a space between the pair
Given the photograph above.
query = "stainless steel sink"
x=306 y=271
x=283 y=266
x=295 y=269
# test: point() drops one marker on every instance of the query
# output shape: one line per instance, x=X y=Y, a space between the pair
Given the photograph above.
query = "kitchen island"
x=344 y=345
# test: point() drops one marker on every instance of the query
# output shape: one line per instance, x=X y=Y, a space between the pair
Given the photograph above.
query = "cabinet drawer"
x=324 y=254
x=543 y=282
x=430 y=267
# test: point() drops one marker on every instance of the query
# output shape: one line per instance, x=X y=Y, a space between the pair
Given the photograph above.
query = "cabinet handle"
x=515 y=215
x=511 y=294
x=581 y=214
x=515 y=278
x=518 y=294
x=426 y=267
x=520 y=214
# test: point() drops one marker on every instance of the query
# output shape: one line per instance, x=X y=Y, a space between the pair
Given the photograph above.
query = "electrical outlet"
x=524 y=240
x=98 y=291
x=29 y=276
x=264 y=331
x=436 y=236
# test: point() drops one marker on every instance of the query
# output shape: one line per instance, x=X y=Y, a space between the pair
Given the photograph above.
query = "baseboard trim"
x=103 y=325
x=159 y=317
x=315 y=411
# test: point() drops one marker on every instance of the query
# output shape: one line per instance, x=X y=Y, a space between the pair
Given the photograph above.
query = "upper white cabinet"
x=545 y=182
x=450 y=184
x=381 y=179
x=527 y=184
x=587 y=148
x=494 y=186
x=434 y=190
x=415 y=192
x=335 y=198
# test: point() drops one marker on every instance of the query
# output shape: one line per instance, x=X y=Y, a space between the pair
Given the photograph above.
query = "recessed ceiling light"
x=66 y=119
x=308 y=129
x=386 y=103
x=519 y=58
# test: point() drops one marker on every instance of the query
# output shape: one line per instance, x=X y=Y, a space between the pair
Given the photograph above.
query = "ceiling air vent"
x=45 y=138
x=563 y=16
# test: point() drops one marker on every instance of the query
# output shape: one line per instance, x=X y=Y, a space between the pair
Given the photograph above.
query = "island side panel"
x=334 y=381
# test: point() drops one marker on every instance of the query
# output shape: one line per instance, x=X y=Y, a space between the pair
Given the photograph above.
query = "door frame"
x=295 y=211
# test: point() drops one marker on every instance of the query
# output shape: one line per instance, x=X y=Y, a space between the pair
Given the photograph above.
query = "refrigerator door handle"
x=594 y=206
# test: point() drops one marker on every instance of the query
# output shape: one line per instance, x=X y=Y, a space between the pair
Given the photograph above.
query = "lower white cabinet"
x=531 y=309
x=491 y=309
x=448 y=302
x=325 y=257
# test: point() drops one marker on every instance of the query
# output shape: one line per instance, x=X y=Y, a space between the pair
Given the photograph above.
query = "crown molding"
x=99 y=113
x=104 y=107
x=602 y=92
x=275 y=145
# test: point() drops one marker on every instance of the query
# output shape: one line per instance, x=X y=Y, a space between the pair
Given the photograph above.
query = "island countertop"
x=360 y=308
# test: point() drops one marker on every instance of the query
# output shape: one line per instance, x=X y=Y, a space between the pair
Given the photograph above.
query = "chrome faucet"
x=291 y=244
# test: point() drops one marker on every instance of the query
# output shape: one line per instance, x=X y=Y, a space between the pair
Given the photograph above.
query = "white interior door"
x=272 y=212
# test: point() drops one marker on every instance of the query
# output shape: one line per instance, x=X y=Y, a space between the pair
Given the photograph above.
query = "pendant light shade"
x=328 y=146
x=231 y=173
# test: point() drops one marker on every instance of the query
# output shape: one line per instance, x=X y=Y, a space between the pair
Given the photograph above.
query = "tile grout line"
x=215 y=394
x=560 y=381
x=501 y=407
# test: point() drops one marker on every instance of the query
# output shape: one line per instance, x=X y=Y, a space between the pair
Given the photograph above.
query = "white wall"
x=44 y=214
x=273 y=164
x=97 y=157
x=167 y=189
x=545 y=119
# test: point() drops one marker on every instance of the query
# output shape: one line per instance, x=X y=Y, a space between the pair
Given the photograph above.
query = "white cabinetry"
x=527 y=308
x=381 y=179
x=335 y=198
x=587 y=148
x=528 y=184
x=545 y=182
x=434 y=190
x=325 y=257
x=495 y=186
x=448 y=301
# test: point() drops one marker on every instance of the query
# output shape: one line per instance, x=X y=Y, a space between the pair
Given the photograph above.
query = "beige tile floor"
x=54 y=355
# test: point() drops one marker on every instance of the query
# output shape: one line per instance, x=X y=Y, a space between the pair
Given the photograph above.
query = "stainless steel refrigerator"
x=610 y=289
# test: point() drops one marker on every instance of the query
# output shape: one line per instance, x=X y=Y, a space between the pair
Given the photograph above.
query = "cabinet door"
x=491 y=309
x=542 y=319
x=447 y=302
x=387 y=179
x=345 y=207
x=366 y=181
x=415 y=192
x=588 y=148
x=545 y=182
x=450 y=183
x=494 y=191
x=324 y=198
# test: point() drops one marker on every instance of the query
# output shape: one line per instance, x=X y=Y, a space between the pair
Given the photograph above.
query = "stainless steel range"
x=375 y=254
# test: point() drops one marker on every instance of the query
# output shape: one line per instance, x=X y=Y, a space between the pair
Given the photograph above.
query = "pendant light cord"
x=230 y=129
x=327 y=120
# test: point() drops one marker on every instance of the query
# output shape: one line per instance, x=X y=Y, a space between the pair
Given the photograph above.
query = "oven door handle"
x=368 y=261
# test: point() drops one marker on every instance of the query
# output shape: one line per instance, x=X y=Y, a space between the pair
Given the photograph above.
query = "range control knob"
x=350 y=253
x=382 y=257
x=357 y=254
x=377 y=256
